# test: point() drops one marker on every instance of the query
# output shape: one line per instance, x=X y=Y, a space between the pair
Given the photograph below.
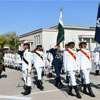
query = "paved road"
x=11 y=87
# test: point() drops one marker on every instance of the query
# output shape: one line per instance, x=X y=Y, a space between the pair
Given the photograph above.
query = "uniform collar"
x=27 y=50
x=83 y=49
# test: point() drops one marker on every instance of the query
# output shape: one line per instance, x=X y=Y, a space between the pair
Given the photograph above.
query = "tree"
x=2 y=41
x=12 y=40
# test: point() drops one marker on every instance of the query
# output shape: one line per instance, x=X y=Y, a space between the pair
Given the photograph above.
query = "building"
x=47 y=37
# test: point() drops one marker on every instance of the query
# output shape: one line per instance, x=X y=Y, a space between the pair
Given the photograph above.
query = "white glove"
x=29 y=70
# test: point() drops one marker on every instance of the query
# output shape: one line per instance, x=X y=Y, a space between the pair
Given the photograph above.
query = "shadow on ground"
x=3 y=76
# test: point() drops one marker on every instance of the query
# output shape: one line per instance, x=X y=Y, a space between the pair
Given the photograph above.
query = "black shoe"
x=70 y=91
x=60 y=84
x=84 y=89
x=49 y=75
x=92 y=94
x=97 y=72
x=90 y=90
x=78 y=95
x=43 y=74
x=0 y=73
x=27 y=91
x=67 y=79
x=77 y=92
x=56 y=82
x=39 y=85
x=24 y=87
x=62 y=72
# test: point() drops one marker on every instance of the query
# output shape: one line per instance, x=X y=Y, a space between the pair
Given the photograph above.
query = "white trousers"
x=85 y=76
x=39 y=72
x=27 y=77
x=48 y=69
x=97 y=66
x=72 y=79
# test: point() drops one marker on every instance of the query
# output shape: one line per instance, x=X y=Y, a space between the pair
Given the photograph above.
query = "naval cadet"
x=26 y=68
x=39 y=64
x=71 y=67
x=85 y=64
x=96 y=60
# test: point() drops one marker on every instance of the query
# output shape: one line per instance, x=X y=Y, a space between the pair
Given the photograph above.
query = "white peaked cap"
x=26 y=42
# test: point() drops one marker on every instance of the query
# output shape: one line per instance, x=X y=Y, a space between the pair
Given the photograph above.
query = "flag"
x=60 y=36
x=97 y=30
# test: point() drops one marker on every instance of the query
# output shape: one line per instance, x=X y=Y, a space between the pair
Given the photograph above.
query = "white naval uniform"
x=26 y=68
x=85 y=65
x=70 y=65
x=39 y=63
x=96 y=59
x=5 y=59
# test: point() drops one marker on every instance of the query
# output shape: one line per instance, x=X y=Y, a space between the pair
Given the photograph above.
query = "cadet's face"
x=40 y=49
x=80 y=46
x=72 y=46
x=66 y=47
x=84 y=46
x=25 y=47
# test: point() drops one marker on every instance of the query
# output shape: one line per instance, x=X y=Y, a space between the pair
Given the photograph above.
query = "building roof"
x=32 y=32
x=68 y=27
x=74 y=27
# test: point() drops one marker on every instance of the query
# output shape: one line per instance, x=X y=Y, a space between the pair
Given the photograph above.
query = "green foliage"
x=2 y=41
x=9 y=39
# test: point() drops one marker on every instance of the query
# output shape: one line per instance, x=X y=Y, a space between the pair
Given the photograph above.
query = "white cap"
x=26 y=42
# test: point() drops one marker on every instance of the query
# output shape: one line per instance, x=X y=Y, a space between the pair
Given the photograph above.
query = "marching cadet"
x=2 y=68
x=84 y=57
x=26 y=65
x=48 y=64
x=71 y=67
x=67 y=76
x=96 y=60
x=39 y=64
x=57 y=63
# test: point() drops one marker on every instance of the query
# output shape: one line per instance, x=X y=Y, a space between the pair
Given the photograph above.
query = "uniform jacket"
x=70 y=64
x=57 y=57
x=83 y=61
x=28 y=56
x=38 y=61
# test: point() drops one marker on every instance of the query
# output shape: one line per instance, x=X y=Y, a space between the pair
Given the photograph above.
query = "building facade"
x=47 y=37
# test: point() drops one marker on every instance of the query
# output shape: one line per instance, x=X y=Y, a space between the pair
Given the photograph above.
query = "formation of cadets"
x=73 y=61
x=12 y=60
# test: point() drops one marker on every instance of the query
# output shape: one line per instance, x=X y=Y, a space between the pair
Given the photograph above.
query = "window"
x=39 y=39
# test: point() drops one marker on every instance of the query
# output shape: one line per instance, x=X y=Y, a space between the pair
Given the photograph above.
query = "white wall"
x=73 y=35
x=49 y=39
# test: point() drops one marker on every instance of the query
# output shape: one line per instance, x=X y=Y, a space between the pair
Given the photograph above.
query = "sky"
x=22 y=16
